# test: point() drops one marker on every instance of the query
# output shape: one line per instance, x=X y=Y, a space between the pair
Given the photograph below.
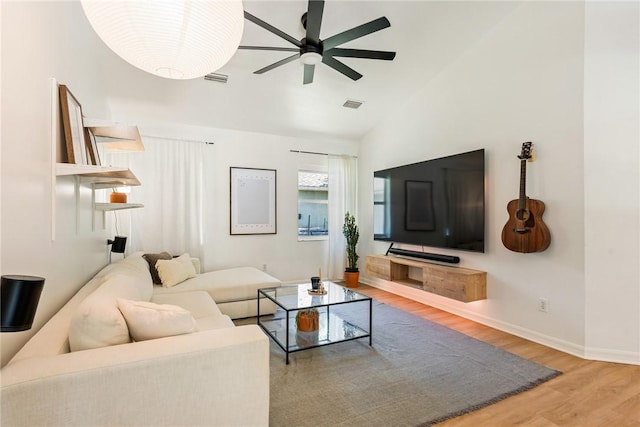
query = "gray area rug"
x=416 y=373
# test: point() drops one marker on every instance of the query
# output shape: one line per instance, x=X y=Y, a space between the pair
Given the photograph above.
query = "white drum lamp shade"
x=176 y=39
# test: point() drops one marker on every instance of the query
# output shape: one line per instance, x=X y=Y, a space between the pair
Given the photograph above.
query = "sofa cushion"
x=198 y=303
x=176 y=270
x=152 y=259
x=147 y=320
x=214 y=322
x=97 y=322
x=133 y=264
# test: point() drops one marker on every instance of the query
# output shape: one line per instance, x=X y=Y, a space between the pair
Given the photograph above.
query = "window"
x=313 y=205
x=380 y=214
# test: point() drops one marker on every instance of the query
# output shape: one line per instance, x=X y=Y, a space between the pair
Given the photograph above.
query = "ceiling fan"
x=312 y=50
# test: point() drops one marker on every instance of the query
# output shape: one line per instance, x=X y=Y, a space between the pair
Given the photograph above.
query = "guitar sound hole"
x=522 y=214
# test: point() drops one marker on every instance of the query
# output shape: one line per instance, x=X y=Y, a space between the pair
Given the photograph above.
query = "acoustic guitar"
x=525 y=231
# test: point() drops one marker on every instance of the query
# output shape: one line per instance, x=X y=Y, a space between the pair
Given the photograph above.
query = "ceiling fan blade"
x=314 y=20
x=271 y=28
x=361 y=53
x=341 y=67
x=356 y=32
x=277 y=64
x=308 y=73
x=280 y=49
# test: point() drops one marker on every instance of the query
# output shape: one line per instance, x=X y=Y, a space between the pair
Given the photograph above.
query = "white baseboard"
x=615 y=356
x=605 y=355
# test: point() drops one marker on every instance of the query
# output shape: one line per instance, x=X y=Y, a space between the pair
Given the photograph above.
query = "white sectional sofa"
x=83 y=369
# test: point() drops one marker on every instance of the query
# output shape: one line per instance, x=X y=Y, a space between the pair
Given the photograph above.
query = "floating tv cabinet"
x=458 y=283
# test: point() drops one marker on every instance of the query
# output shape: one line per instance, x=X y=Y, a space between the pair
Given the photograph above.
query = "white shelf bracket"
x=77 y=194
x=53 y=129
x=93 y=207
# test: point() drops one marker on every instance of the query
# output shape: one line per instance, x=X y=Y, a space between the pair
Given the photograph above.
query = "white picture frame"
x=253 y=197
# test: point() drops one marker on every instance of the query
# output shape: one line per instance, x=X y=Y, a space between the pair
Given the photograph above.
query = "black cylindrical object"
x=20 y=297
x=119 y=243
x=425 y=255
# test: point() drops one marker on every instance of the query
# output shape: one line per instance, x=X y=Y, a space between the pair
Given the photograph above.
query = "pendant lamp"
x=175 y=39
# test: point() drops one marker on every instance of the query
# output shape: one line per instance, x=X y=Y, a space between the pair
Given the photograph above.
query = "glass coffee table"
x=344 y=315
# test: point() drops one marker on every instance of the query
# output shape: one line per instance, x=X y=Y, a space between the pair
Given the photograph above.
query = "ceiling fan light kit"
x=311 y=58
x=311 y=50
x=173 y=39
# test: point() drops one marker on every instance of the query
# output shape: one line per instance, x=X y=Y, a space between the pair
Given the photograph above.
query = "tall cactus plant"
x=351 y=234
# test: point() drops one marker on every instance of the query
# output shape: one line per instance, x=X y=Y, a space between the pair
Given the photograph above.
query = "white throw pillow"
x=175 y=270
x=97 y=322
x=147 y=320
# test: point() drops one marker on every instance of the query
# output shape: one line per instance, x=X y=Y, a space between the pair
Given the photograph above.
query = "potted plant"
x=351 y=234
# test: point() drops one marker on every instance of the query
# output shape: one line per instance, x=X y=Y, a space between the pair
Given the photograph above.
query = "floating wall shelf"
x=115 y=136
x=117 y=206
x=122 y=178
x=100 y=176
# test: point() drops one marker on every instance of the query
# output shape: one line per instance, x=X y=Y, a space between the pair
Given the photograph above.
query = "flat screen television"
x=437 y=203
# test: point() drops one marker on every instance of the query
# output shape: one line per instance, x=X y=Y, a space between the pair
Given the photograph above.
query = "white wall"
x=612 y=181
x=523 y=81
x=33 y=50
x=285 y=256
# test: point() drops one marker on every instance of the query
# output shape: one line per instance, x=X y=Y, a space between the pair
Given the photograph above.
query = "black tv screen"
x=437 y=203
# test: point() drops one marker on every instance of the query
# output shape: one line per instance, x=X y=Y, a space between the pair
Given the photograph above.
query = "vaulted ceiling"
x=426 y=35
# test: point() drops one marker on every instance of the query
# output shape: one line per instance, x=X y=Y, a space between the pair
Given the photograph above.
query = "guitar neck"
x=523 y=184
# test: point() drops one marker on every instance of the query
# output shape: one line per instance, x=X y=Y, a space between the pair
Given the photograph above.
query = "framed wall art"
x=92 y=148
x=253 y=201
x=72 y=123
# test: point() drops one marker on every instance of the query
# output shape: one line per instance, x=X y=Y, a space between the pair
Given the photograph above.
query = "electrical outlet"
x=543 y=305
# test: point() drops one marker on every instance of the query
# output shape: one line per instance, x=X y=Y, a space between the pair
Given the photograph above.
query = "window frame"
x=317 y=237
x=385 y=207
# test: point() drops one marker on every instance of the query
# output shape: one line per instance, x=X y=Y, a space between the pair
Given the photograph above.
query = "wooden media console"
x=458 y=283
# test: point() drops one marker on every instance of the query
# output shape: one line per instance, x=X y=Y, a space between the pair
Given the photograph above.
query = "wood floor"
x=587 y=394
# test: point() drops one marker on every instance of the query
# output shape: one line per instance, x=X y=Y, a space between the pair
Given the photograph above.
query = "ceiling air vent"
x=350 y=103
x=215 y=77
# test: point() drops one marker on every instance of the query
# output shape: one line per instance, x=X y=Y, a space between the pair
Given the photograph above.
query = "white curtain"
x=343 y=198
x=174 y=177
